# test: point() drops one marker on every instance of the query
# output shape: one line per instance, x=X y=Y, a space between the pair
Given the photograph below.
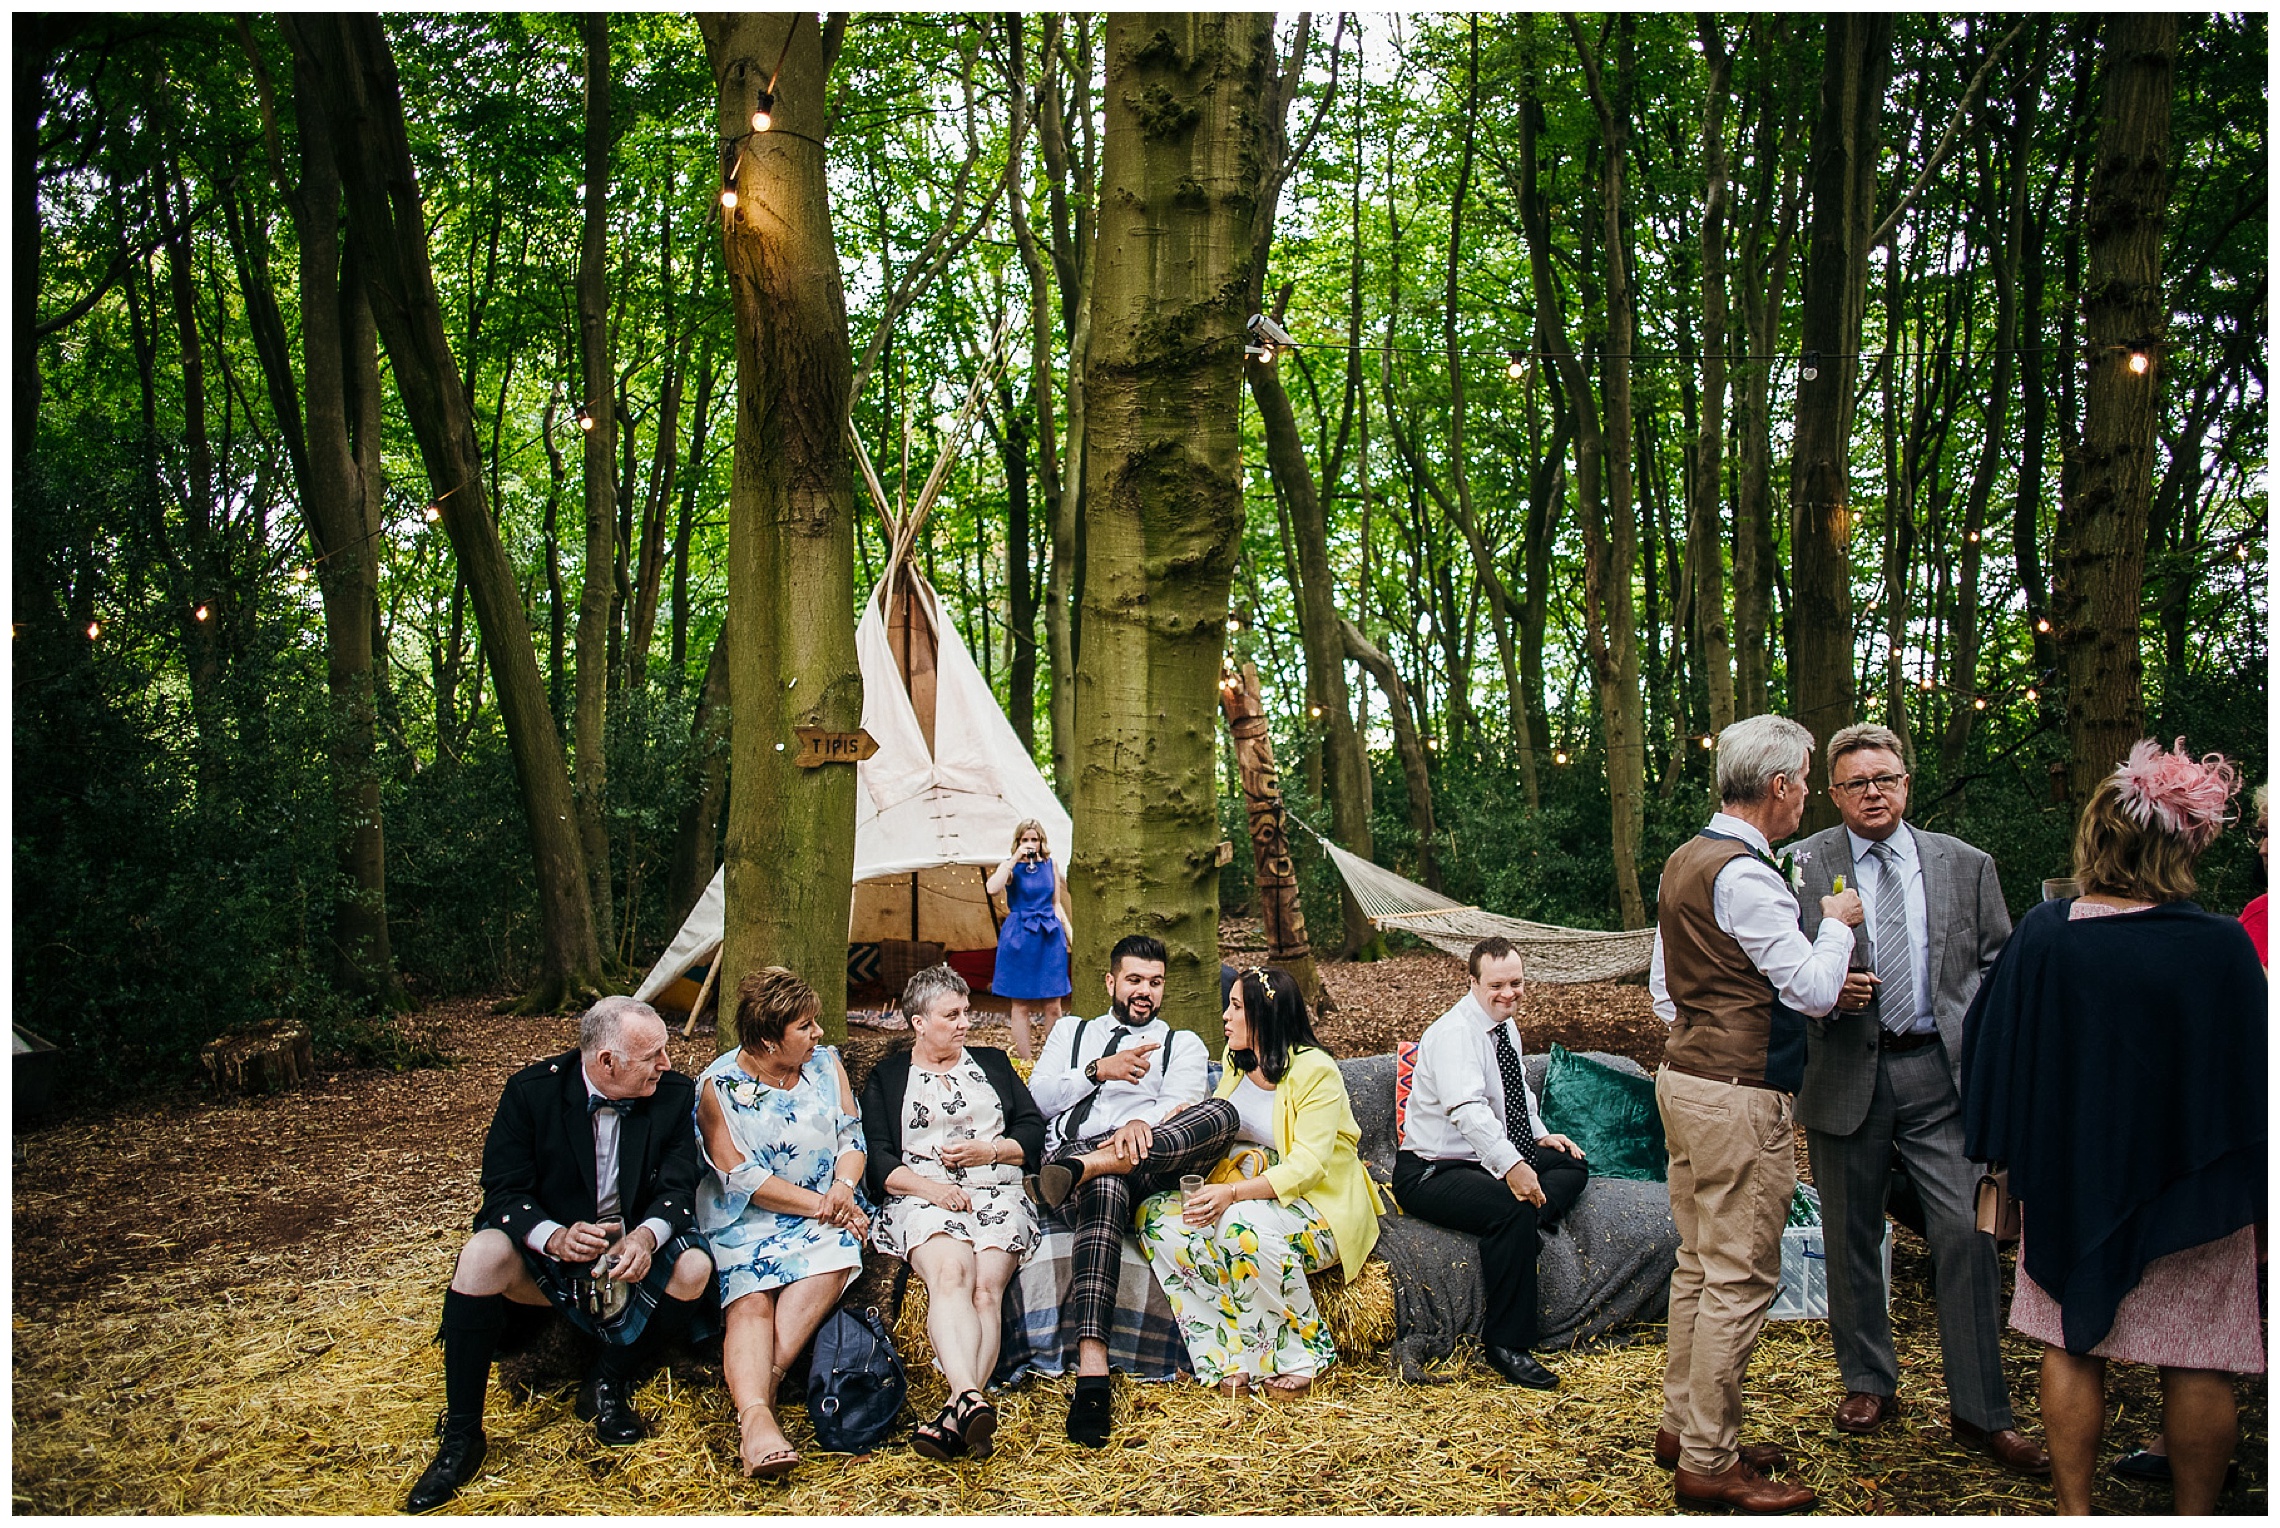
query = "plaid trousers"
x=1191 y=1141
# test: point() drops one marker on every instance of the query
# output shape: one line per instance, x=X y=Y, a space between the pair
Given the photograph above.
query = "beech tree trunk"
x=355 y=76
x=1611 y=542
x=1180 y=185
x=1706 y=502
x=790 y=855
x=342 y=517
x=1856 y=65
x=1279 y=911
x=590 y=718
x=1407 y=745
x=2110 y=472
x=691 y=867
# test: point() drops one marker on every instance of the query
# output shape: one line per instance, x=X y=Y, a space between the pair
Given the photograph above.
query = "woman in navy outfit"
x=1033 y=944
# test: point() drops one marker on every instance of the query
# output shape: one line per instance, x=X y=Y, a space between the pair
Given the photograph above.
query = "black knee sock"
x=471 y=1327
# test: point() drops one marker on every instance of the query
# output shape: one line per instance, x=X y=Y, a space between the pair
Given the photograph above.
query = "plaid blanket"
x=1040 y=1337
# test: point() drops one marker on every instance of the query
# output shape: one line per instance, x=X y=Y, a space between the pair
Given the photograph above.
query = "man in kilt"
x=584 y=1145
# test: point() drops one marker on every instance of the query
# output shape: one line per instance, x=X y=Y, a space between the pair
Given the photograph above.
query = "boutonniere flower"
x=1797 y=861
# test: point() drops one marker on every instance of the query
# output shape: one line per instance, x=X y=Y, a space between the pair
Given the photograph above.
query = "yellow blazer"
x=1316 y=1135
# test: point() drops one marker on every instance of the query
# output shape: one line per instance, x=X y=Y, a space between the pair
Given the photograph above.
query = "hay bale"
x=1359 y=1311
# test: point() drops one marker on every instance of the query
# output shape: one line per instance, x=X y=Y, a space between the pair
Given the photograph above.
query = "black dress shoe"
x=1521 y=1368
x=603 y=1401
x=1089 y=1418
x=457 y=1459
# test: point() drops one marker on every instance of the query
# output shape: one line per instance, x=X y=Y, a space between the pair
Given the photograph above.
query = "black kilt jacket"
x=538 y=1160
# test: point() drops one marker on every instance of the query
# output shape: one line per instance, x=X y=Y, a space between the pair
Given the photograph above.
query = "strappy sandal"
x=1235 y=1386
x=773 y=1465
x=940 y=1439
x=976 y=1421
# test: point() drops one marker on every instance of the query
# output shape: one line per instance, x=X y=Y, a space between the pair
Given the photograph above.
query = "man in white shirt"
x=1110 y=1088
x=1736 y=980
x=1886 y=1070
x=1475 y=1156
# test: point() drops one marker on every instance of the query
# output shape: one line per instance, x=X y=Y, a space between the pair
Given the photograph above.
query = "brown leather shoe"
x=1865 y=1413
x=1739 y=1489
x=2008 y=1447
x=1765 y=1458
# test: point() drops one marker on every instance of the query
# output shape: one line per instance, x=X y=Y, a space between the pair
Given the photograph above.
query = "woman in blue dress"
x=778 y=1124
x=1033 y=943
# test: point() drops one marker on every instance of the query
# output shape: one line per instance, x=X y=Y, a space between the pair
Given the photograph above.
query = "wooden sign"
x=820 y=746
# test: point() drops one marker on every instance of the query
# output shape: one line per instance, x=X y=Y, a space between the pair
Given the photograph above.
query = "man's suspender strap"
x=1072 y=1121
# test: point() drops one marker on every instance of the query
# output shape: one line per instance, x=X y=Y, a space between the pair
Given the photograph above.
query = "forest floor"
x=226 y=1306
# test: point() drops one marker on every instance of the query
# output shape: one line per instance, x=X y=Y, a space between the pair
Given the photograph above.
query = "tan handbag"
x=1997 y=1212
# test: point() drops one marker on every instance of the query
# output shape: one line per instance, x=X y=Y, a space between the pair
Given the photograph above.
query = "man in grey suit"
x=1884 y=1070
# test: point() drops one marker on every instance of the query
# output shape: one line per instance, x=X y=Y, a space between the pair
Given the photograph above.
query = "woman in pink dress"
x=2114 y=1060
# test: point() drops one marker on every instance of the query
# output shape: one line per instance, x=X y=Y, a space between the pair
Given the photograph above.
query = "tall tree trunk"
x=2011 y=233
x=698 y=827
x=1856 y=64
x=1279 y=912
x=340 y=515
x=590 y=719
x=2110 y=475
x=1706 y=503
x=1407 y=746
x=685 y=526
x=791 y=537
x=1180 y=192
x=356 y=78
x=1020 y=591
x=1611 y=544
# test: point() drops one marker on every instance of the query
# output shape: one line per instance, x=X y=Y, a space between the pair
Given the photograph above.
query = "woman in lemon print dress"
x=1234 y=1259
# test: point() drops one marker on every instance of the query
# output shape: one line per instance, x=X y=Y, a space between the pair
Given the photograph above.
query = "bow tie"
x=621 y=1107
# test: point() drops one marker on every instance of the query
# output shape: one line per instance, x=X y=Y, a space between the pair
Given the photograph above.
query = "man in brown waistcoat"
x=1735 y=979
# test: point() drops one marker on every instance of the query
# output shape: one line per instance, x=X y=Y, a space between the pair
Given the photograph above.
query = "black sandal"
x=940 y=1439
x=976 y=1421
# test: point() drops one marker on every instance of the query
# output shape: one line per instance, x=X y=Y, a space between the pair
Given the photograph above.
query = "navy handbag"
x=856 y=1382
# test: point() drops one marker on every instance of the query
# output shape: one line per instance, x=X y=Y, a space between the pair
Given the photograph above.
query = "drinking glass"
x=2059 y=888
x=1190 y=1186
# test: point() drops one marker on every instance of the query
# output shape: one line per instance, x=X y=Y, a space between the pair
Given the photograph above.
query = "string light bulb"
x=1315 y=712
x=2140 y=363
x=300 y=575
x=1559 y=758
x=1978 y=702
x=1925 y=685
x=94 y=630
x=1971 y=536
x=200 y=613
x=764 y=112
x=1513 y=368
x=728 y=198
x=432 y=513
x=2042 y=623
x=584 y=416
x=1811 y=370
x=2033 y=694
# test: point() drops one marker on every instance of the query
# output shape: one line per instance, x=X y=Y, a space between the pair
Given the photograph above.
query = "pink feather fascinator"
x=2176 y=793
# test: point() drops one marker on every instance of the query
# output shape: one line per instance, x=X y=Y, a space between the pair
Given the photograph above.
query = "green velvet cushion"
x=1610 y=1114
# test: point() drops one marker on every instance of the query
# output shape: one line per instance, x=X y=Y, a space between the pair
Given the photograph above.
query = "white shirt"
x=1870 y=875
x=1456 y=1094
x=1750 y=901
x=606 y=1125
x=1256 y=1106
x=1179 y=1072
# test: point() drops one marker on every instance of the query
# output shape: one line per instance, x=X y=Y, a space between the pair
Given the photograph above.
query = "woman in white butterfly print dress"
x=951 y=1130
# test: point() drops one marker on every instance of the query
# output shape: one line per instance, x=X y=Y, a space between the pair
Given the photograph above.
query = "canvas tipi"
x=936 y=806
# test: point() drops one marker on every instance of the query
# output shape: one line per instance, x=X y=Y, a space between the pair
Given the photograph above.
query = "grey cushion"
x=1608 y=1262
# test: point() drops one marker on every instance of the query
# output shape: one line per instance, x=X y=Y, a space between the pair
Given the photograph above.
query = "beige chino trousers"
x=1733 y=1167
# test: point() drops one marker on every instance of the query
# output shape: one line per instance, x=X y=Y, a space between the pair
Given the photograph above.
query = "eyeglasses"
x=1885 y=785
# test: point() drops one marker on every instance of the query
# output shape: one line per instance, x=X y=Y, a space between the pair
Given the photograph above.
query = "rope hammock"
x=1554 y=954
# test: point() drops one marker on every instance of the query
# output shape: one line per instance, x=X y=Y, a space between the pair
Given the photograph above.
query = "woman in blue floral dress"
x=780 y=1205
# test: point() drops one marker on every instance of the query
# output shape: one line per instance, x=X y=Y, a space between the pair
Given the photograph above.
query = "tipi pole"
x=712 y=974
x=1279 y=910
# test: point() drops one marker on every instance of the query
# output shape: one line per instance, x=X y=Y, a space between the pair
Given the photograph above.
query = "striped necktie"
x=1895 y=964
